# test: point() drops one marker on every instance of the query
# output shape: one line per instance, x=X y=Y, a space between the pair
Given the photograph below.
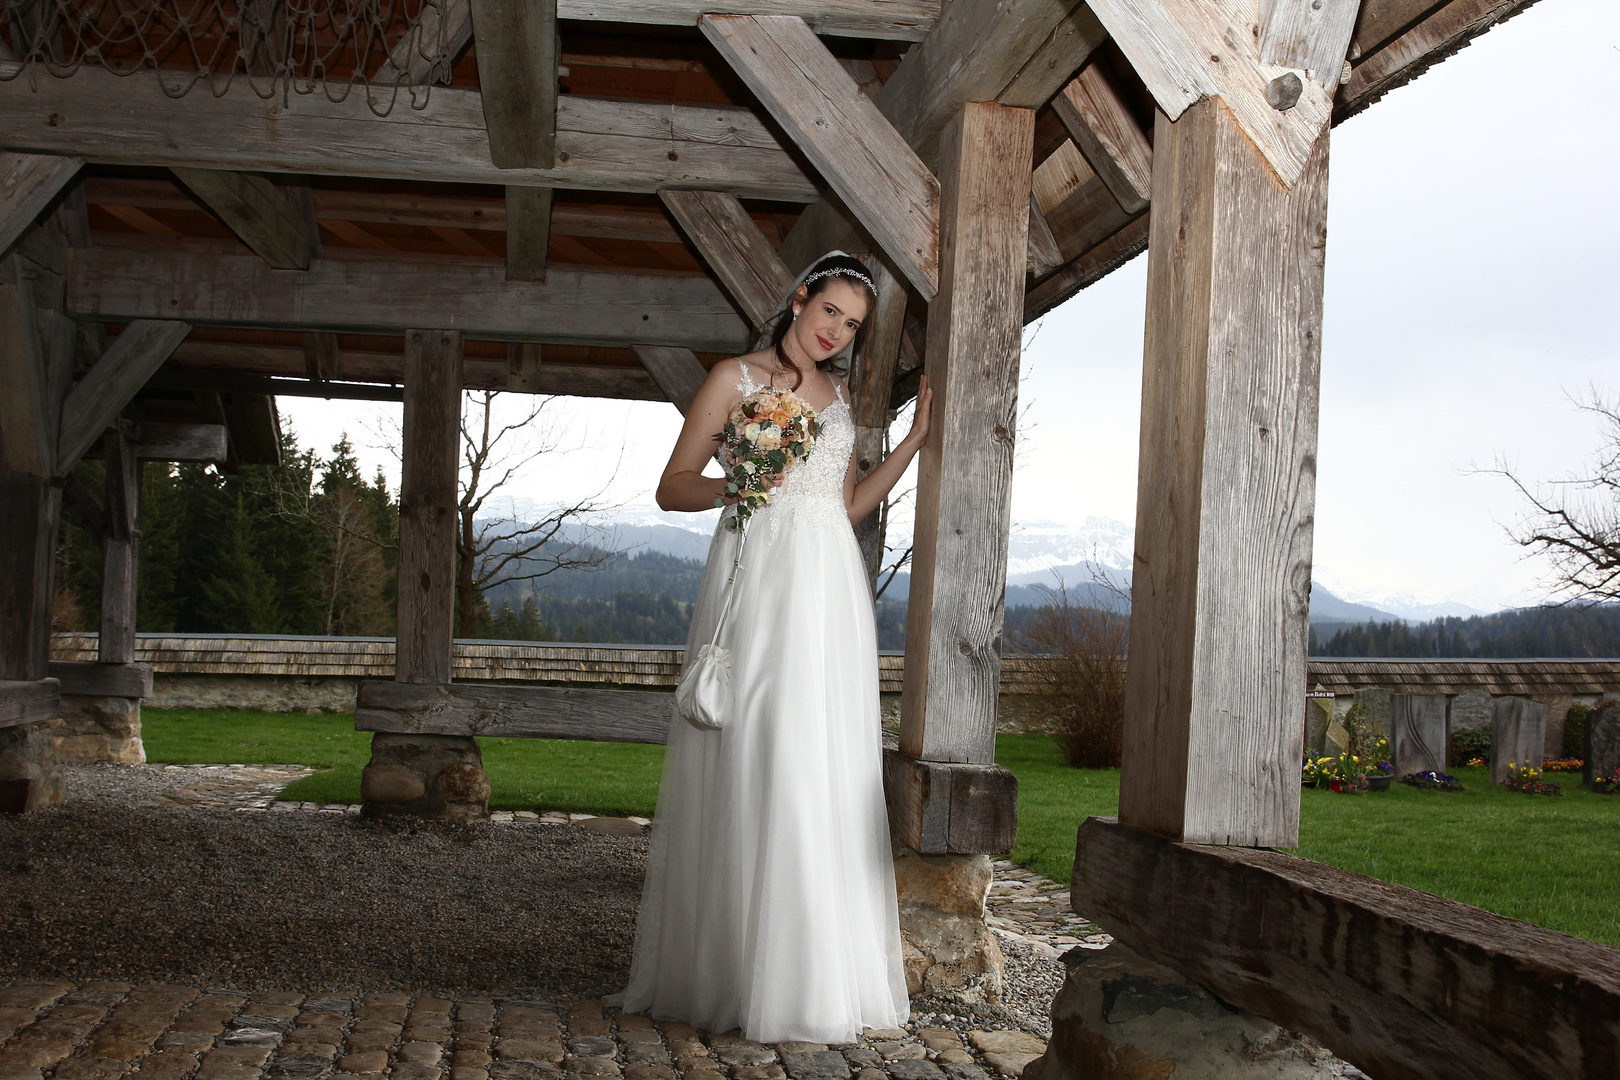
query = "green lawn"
x=1550 y=861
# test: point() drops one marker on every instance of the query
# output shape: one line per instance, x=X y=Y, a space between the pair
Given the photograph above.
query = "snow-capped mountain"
x=1036 y=548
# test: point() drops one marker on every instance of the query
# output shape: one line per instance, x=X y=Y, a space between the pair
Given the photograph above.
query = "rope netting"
x=275 y=47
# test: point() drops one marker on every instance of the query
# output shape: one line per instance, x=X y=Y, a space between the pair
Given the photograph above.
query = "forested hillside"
x=1524 y=633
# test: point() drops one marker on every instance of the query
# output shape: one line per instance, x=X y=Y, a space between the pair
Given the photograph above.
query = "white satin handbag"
x=704 y=693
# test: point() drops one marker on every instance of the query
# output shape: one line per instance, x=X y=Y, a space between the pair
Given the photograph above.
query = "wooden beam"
x=528 y=232
x=426 y=55
x=81 y=678
x=1102 y=126
x=895 y=20
x=28 y=701
x=1185 y=55
x=537 y=712
x=524 y=360
x=1415 y=50
x=1088 y=268
x=152 y=441
x=1226 y=490
x=851 y=143
x=120 y=548
x=278 y=227
x=28 y=183
x=95 y=401
x=1086 y=218
x=678 y=373
x=964 y=479
x=1071 y=42
x=1044 y=254
x=323 y=359
x=570 y=307
x=1401 y=982
x=1309 y=35
x=254 y=427
x=734 y=248
x=516 y=45
x=427 y=505
x=950 y=809
x=606 y=145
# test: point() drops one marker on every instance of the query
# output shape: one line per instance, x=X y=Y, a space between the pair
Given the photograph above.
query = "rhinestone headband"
x=843 y=271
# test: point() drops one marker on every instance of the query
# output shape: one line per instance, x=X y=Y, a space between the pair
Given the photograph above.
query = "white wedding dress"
x=770 y=898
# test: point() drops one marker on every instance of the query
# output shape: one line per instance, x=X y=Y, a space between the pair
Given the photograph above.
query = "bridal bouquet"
x=769 y=432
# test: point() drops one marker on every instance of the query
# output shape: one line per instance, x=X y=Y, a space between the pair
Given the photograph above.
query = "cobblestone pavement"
x=107 y=1030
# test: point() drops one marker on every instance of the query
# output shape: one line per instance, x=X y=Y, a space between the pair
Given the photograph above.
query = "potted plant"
x=1382 y=773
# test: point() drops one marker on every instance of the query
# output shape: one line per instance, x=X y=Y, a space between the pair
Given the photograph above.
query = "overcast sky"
x=1472 y=288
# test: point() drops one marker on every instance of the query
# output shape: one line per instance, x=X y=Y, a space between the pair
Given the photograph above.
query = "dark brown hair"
x=846 y=269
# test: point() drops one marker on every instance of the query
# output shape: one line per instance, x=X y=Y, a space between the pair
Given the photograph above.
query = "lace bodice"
x=814 y=490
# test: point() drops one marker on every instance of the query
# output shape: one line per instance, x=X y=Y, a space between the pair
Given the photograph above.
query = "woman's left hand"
x=924 y=414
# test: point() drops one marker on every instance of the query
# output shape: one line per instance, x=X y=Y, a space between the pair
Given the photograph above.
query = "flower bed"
x=1527 y=779
x=1429 y=780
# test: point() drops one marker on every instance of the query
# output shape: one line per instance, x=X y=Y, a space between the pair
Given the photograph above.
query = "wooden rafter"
x=898 y=20
x=28 y=182
x=528 y=232
x=95 y=401
x=570 y=307
x=279 y=225
x=734 y=248
x=603 y=145
x=851 y=143
x=677 y=372
x=1107 y=134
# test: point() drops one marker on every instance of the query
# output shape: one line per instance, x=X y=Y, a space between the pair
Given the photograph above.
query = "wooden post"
x=964 y=482
x=119 y=549
x=1215 y=694
x=427 y=505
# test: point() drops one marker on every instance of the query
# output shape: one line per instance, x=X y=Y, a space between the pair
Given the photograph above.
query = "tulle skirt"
x=769 y=903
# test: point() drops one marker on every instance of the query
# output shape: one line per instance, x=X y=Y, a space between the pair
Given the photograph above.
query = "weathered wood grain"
x=851 y=143
x=602 y=144
x=1094 y=265
x=102 y=679
x=1073 y=40
x=896 y=20
x=28 y=701
x=120 y=547
x=677 y=372
x=1403 y=983
x=1044 y=255
x=1226 y=490
x=153 y=441
x=1188 y=50
x=537 y=712
x=964 y=479
x=1311 y=35
x=1381 y=20
x=96 y=399
x=254 y=426
x=569 y=307
x=1086 y=218
x=427 y=53
x=733 y=247
x=1416 y=50
x=950 y=809
x=427 y=505
x=516 y=47
x=280 y=229
x=28 y=182
x=524 y=360
x=528 y=232
x=1102 y=126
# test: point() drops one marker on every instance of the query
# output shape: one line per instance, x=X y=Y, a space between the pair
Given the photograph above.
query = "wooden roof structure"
x=205 y=204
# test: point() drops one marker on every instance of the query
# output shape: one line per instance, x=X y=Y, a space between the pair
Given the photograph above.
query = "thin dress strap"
x=838 y=389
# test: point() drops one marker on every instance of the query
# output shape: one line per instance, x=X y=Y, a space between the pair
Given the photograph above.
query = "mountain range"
x=1092 y=561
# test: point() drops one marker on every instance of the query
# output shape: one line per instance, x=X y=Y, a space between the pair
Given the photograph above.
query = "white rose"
x=751 y=432
x=748 y=467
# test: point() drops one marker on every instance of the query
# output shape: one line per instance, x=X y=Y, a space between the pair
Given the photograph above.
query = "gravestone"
x=1557 y=710
x=1602 y=742
x=1518 y=731
x=1418 y=732
x=1471 y=711
x=1318 y=715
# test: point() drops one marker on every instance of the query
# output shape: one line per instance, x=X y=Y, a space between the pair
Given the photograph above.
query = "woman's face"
x=828 y=320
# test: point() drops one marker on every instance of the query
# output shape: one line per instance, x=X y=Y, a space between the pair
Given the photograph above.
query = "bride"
x=770 y=898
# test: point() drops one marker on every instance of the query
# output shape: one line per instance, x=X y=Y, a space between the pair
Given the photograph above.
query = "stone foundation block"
x=100 y=729
x=946 y=945
x=30 y=771
x=436 y=776
x=1120 y=1016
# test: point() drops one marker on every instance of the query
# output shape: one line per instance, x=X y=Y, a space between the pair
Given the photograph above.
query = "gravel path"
x=306 y=901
